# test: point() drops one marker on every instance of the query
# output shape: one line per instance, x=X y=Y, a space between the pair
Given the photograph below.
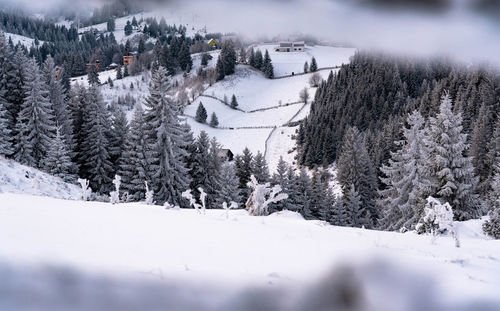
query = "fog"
x=468 y=30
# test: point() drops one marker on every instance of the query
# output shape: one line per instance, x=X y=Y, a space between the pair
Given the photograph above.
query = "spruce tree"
x=200 y=163
x=167 y=136
x=243 y=55
x=314 y=65
x=403 y=200
x=228 y=57
x=135 y=164
x=95 y=156
x=125 y=71
x=479 y=148
x=117 y=138
x=451 y=172
x=128 y=29
x=260 y=168
x=93 y=75
x=306 y=67
x=142 y=46
x=6 y=148
x=119 y=75
x=201 y=114
x=267 y=66
x=229 y=190
x=185 y=59
x=251 y=58
x=244 y=170
x=214 y=122
x=258 y=60
x=220 y=72
x=58 y=161
x=355 y=168
x=234 y=102
x=354 y=208
x=35 y=124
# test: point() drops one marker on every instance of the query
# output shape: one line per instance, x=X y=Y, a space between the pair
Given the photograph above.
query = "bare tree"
x=315 y=80
x=304 y=95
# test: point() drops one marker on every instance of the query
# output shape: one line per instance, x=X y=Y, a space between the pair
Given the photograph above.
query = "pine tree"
x=258 y=60
x=200 y=163
x=243 y=55
x=228 y=57
x=214 y=122
x=134 y=167
x=219 y=69
x=244 y=170
x=304 y=194
x=119 y=73
x=142 y=46
x=450 y=171
x=284 y=177
x=95 y=158
x=251 y=58
x=234 y=102
x=306 y=67
x=35 y=124
x=117 y=138
x=481 y=135
x=205 y=58
x=185 y=59
x=229 y=190
x=60 y=108
x=128 y=29
x=353 y=206
x=125 y=71
x=167 y=136
x=355 y=168
x=92 y=75
x=58 y=161
x=314 y=65
x=201 y=114
x=404 y=199
x=267 y=66
x=214 y=184
x=260 y=169
x=6 y=148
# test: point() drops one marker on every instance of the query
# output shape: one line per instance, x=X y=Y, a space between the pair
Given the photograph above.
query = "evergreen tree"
x=167 y=134
x=128 y=29
x=92 y=75
x=267 y=66
x=306 y=67
x=60 y=108
x=185 y=59
x=119 y=75
x=251 y=58
x=258 y=60
x=353 y=206
x=220 y=72
x=244 y=170
x=200 y=163
x=214 y=122
x=450 y=171
x=260 y=169
x=35 y=124
x=58 y=161
x=229 y=190
x=355 y=168
x=228 y=57
x=6 y=148
x=243 y=55
x=234 y=102
x=404 y=199
x=142 y=46
x=117 y=139
x=201 y=114
x=137 y=156
x=95 y=157
x=479 y=148
x=205 y=58
x=110 y=25
x=314 y=65
x=125 y=71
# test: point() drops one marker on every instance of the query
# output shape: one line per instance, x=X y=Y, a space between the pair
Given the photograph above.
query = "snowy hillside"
x=17 y=178
x=286 y=63
x=26 y=41
x=150 y=244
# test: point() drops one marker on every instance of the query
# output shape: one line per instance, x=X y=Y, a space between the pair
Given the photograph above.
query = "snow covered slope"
x=26 y=41
x=149 y=243
x=17 y=178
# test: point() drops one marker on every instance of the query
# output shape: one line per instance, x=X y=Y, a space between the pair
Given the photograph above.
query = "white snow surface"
x=149 y=243
x=26 y=41
x=21 y=179
x=285 y=63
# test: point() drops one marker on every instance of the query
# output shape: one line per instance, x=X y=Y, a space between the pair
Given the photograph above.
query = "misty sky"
x=448 y=27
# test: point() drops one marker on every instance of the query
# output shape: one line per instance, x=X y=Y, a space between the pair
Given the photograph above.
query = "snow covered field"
x=142 y=243
x=286 y=63
x=17 y=178
x=26 y=41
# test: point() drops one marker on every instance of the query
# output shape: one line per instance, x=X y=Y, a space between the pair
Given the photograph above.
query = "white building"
x=298 y=46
